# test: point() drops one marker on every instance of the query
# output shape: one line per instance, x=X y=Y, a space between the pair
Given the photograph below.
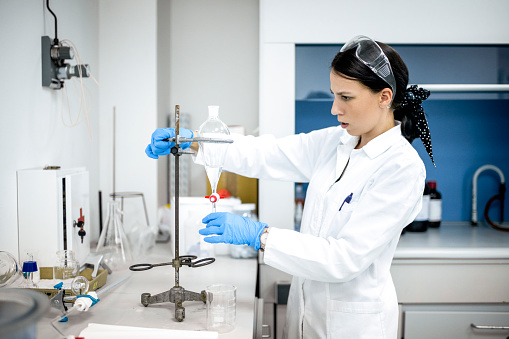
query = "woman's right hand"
x=160 y=146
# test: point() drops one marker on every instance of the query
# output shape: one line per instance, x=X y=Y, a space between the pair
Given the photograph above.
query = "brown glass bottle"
x=435 y=205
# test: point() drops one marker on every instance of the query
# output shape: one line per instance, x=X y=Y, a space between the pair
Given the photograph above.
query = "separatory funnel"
x=213 y=153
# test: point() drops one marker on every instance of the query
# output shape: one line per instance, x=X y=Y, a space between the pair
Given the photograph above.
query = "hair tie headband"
x=412 y=100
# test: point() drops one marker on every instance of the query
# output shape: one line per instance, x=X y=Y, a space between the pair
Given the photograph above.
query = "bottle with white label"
x=420 y=224
x=435 y=205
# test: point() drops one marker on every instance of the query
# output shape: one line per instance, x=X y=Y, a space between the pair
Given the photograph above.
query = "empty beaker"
x=221 y=307
x=66 y=266
x=113 y=242
x=213 y=153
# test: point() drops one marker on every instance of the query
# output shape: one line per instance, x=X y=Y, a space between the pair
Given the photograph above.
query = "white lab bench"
x=445 y=279
x=122 y=305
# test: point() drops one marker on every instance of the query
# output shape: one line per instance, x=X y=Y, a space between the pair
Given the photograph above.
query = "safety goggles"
x=370 y=54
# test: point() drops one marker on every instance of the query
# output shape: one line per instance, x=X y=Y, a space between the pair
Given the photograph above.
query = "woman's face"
x=359 y=110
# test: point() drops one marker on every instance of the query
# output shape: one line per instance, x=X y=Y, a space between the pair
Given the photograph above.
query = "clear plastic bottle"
x=435 y=205
x=113 y=242
x=213 y=153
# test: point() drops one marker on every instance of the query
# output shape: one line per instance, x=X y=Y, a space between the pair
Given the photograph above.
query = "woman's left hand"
x=232 y=229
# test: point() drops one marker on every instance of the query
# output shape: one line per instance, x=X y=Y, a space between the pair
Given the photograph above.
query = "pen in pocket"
x=347 y=200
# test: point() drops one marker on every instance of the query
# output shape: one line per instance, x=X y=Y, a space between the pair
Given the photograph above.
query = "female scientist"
x=365 y=185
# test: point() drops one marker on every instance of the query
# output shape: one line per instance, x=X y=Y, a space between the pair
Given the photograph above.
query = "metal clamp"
x=184 y=260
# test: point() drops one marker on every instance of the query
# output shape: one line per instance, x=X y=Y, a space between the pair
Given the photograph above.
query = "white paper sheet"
x=100 y=331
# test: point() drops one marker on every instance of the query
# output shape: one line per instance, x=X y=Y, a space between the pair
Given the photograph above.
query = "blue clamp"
x=59 y=285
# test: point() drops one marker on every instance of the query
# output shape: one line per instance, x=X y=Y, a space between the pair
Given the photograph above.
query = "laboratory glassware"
x=213 y=153
x=80 y=285
x=113 y=242
x=10 y=271
x=20 y=311
x=66 y=266
x=221 y=307
x=435 y=205
x=30 y=270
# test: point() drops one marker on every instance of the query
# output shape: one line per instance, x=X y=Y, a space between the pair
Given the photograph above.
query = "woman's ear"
x=385 y=98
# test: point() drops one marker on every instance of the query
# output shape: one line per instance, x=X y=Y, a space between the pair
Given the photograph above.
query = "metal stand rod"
x=177 y=194
x=177 y=294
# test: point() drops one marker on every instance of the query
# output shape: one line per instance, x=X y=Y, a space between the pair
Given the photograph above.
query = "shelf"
x=466 y=87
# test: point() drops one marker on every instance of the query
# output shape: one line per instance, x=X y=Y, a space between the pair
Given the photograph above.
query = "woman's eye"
x=346 y=98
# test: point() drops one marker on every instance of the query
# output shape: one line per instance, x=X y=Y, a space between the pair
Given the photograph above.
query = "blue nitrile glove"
x=232 y=229
x=159 y=147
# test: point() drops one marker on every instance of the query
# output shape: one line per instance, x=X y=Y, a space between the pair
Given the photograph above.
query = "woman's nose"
x=335 y=110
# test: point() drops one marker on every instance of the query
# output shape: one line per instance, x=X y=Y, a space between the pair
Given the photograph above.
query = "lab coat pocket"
x=355 y=320
x=345 y=212
x=336 y=219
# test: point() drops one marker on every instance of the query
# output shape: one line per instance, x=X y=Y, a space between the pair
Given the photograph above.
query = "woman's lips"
x=344 y=125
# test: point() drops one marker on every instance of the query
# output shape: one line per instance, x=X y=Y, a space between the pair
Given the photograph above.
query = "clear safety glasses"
x=370 y=54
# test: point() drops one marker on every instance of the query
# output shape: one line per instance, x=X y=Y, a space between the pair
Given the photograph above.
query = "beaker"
x=221 y=307
x=213 y=153
x=66 y=266
x=113 y=242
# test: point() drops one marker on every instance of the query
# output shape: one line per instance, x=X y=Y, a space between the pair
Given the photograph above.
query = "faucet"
x=474 y=191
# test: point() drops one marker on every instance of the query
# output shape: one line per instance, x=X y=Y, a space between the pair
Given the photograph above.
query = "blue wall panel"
x=466 y=134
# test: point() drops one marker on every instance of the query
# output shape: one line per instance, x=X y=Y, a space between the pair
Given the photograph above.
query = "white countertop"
x=454 y=240
x=122 y=305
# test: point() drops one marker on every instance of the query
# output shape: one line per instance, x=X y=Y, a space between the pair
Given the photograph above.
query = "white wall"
x=393 y=21
x=128 y=69
x=31 y=131
x=147 y=56
x=213 y=60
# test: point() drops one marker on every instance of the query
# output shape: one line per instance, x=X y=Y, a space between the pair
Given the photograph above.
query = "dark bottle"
x=420 y=224
x=300 y=196
x=435 y=205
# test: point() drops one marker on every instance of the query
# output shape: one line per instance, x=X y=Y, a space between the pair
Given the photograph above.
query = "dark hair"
x=346 y=64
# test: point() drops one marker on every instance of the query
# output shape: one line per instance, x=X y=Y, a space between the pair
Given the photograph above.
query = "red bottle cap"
x=432 y=184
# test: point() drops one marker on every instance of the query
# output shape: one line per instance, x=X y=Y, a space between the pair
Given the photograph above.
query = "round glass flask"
x=10 y=271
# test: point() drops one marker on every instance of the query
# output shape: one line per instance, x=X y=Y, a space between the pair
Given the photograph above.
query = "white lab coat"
x=340 y=262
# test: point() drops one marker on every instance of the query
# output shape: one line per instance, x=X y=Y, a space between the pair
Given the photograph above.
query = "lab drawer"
x=455 y=324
